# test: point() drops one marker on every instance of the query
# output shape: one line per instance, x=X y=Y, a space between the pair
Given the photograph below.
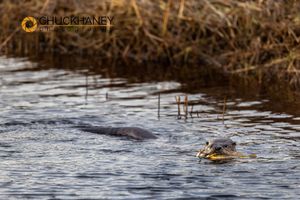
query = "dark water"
x=43 y=155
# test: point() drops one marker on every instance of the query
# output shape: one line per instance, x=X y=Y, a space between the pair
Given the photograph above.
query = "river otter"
x=130 y=132
x=219 y=149
x=215 y=150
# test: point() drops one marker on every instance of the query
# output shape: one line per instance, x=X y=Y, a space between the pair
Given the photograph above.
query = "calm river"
x=44 y=156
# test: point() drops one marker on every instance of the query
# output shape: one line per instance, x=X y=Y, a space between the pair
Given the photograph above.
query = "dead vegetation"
x=256 y=38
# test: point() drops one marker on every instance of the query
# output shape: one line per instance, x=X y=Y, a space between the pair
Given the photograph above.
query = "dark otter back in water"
x=131 y=132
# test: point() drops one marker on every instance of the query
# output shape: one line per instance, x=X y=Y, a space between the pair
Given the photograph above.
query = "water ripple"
x=44 y=155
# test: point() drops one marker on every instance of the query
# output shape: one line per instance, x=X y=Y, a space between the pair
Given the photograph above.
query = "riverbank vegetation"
x=257 y=40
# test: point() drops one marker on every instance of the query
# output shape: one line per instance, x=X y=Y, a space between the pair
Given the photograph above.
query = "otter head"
x=224 y=147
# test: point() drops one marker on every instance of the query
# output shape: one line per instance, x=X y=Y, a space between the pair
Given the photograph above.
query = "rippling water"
x=44 y=156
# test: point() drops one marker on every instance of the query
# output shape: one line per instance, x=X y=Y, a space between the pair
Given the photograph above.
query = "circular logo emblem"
x=29 y=24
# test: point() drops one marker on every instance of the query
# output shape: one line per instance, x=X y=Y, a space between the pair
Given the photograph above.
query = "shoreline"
x=255 y=40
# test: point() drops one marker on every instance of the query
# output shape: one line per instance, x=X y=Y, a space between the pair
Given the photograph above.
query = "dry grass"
x=258 y=38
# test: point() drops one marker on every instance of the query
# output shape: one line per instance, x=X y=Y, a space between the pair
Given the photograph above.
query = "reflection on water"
x=44 y=156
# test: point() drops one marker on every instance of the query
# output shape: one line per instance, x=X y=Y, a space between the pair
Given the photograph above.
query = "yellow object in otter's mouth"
x=216 y=157
x=219 y=157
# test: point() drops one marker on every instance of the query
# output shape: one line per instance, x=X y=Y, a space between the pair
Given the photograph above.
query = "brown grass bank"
x=256 y=39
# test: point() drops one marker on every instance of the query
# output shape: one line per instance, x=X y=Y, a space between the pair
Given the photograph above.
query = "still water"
x=44 y=156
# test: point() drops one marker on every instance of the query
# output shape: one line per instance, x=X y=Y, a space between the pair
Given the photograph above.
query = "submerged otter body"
x=130 y=132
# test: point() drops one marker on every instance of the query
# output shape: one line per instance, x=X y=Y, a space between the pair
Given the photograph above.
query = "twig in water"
x=177 y=98
x=86 y=88
x=191 y=112
x=158 y=108
x=224 y=109
x=186 y=104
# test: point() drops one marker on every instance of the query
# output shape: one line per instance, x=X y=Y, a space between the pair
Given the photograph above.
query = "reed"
x=186 y=106
x=158 y=106
x=177 y=99
x=224 y=109
x=255 y=38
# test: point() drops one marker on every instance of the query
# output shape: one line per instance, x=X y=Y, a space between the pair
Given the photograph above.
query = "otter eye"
x=207 y=143
x=234 y=143
x=225 y=145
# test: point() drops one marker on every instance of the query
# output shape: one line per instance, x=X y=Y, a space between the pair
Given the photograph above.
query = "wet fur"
x=130 y=132
x=221 y=146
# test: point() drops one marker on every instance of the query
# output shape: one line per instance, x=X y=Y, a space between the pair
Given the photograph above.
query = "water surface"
x=44 y=156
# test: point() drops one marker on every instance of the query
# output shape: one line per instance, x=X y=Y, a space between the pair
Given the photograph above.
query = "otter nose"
x=218 y=148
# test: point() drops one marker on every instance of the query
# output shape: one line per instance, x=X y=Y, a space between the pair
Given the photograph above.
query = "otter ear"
x=234 y=143
x=207 y=142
